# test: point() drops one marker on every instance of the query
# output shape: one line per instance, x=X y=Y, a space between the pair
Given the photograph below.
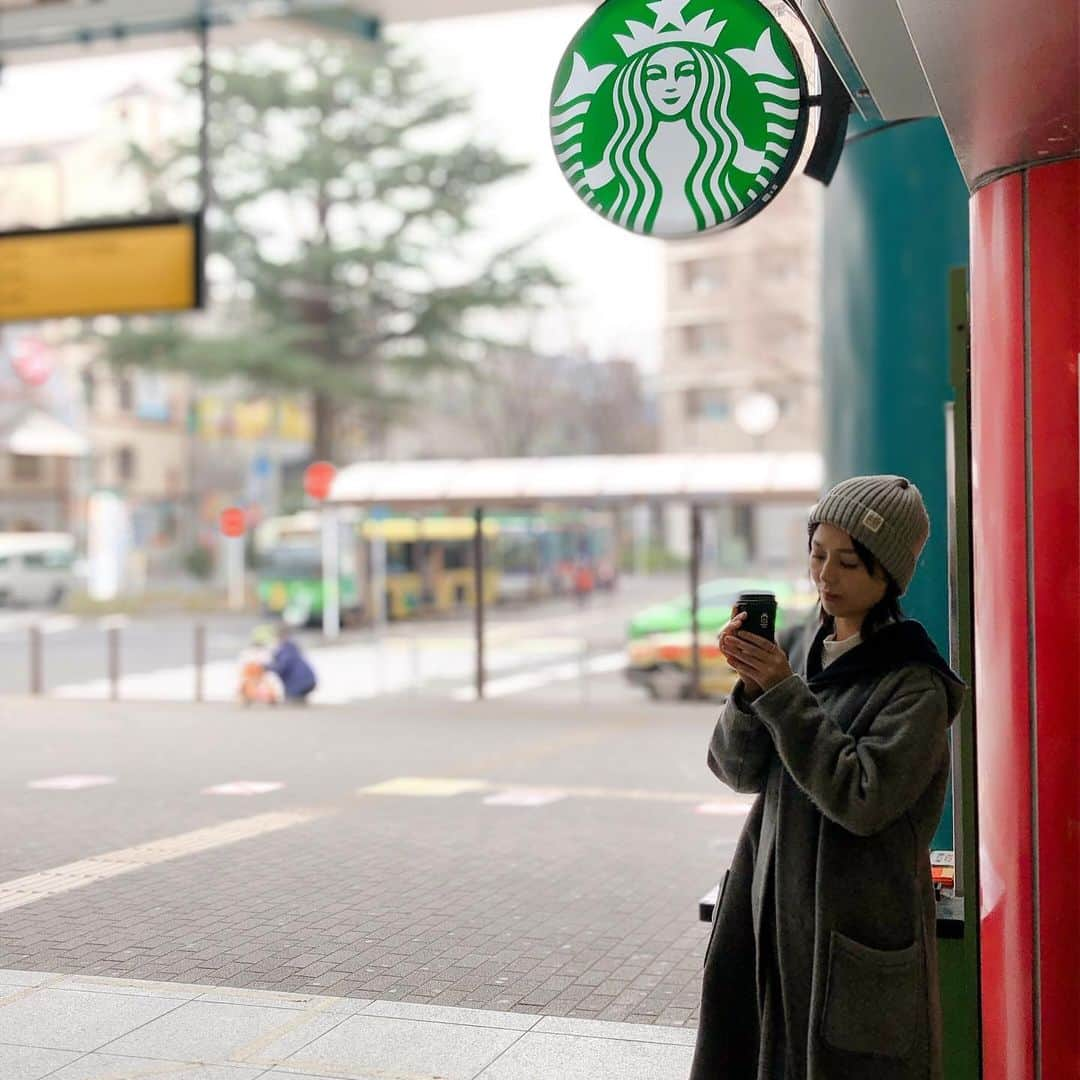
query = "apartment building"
x=741 y=361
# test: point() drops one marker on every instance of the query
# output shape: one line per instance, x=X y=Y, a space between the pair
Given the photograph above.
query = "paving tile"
x=369 y=1047
x=76 y=1020
x=340 y=1006
x=216 y=1031
x=31 y=1062
x=175 y=991
x=537 y=908
x=404 y=1010
x=277 y=1074
x=538 y=1056
x=602 y=1029
x=115 y=1067
x=13 y=977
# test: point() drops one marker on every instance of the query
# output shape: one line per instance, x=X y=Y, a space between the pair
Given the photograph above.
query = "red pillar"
x=1025 y=305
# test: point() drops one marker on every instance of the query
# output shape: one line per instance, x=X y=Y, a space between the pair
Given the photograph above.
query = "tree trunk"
x=325 y=415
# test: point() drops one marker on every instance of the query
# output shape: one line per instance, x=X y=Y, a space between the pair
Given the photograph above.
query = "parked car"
x=36 y=568
x=659 y=646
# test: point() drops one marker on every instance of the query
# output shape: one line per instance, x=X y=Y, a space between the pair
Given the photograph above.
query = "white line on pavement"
x=524 y=797
x=61 y=879
x=70 y=783
x=727 y=808
x=532 y=680
x=244 y=787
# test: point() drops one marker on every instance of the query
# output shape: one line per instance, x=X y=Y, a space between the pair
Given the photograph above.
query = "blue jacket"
x=295 y=673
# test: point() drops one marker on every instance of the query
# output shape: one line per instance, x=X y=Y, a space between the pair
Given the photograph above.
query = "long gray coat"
x=822 y=960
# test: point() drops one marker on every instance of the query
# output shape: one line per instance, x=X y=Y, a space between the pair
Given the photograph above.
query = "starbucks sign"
x=674 y=117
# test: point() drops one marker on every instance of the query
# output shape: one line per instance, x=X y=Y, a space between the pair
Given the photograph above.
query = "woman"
x=822 y=961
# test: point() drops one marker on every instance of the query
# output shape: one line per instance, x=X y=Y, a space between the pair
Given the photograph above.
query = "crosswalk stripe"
x=244 y=787
x=61 y=879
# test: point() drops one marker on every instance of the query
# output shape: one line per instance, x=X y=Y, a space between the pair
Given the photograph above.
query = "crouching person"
x=290 y=665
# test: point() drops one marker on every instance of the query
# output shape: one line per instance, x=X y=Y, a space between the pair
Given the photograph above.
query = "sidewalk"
x=82 y=1028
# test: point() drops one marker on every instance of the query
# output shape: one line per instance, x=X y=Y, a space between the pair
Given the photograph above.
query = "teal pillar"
x=896 y=223
x=896 y=220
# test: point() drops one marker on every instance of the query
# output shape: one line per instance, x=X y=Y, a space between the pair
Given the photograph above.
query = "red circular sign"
x=318 y=478
x=233 y=521
x=33 y=362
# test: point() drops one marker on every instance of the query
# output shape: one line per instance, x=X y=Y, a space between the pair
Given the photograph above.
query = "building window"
x=703 y=276
x=125 y=464
x=25 y=468
x=707 y=339
x=708 y=403
x=779 y=267
x=126 y=391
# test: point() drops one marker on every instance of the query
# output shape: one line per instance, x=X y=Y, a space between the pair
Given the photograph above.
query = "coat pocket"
x=871 y=998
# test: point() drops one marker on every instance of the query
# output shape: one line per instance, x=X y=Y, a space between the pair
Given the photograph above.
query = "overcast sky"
x=614 y=302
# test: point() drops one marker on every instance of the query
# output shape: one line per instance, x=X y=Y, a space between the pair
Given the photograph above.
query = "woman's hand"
x=727 y=634
x=761 y=664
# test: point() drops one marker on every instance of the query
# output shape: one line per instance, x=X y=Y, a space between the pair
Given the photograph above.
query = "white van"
x=36 y=568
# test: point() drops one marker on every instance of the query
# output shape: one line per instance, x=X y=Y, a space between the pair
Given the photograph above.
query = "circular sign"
x=32 y=361
x=675 y=117
x=233 y=522
x=757 y=413
x=318 y=478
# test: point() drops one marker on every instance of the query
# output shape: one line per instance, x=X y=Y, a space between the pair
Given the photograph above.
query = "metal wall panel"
x=1005 y=75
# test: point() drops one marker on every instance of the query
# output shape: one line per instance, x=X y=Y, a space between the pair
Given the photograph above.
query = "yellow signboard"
x=122 y=269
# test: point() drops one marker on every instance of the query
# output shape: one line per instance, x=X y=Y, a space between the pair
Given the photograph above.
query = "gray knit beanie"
x=886 y=514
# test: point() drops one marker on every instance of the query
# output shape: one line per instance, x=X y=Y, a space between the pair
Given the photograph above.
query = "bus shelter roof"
x=596 y=480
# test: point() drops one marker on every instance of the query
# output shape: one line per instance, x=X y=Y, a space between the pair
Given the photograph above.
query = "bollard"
x=37 y=682
x=114 y=662
x=200 y=660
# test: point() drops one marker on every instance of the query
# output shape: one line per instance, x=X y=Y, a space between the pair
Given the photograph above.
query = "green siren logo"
x=678 y=116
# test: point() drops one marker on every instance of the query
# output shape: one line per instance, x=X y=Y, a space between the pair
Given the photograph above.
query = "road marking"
x=244 y=787
x=533 y=680
x=729 y=808
x=445 y=786
x=61 y=879
x=114 y=622
x=629 y=794
x=524 y=797
x=70 y=783
x=425 y=787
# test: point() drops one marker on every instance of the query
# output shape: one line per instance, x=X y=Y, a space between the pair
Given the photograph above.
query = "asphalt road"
x=501 y=855
x=573 y=652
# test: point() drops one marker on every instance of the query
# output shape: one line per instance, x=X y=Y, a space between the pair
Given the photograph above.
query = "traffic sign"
x=318 y=479
x=125 y=268
x=233 y=522
x=32 y=361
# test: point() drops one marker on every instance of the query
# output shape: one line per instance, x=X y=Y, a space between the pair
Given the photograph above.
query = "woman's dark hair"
x=887 y=609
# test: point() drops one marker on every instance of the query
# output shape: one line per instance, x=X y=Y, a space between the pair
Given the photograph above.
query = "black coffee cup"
x=760 y=608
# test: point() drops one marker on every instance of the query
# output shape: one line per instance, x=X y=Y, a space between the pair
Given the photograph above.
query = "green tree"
x=343 y=196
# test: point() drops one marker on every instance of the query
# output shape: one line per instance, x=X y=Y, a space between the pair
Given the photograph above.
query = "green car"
x=659 y=650
x=715 y=601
